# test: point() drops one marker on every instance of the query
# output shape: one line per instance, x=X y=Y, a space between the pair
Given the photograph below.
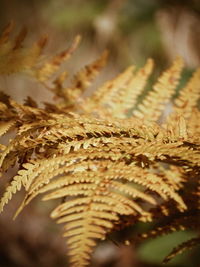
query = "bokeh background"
x=132 y=30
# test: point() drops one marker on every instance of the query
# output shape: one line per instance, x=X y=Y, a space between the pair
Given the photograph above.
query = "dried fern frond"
x=191 y=91
x=152 y=106
x=120 y=95
x=103 y=166
x=103 y=98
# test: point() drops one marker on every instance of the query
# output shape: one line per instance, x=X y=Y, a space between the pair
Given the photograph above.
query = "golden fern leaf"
x=119 y=95
x=154 y=103
x=188 y=97
x=14 y=186
x=126 y=98
x=135 y=88
x=108 y=93
x=193 y=126
x=173 y=175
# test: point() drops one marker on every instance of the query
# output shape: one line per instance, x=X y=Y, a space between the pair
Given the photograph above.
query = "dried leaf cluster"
x=111 y=161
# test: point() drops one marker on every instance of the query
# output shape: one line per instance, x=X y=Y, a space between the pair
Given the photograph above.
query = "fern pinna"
x=102 y=157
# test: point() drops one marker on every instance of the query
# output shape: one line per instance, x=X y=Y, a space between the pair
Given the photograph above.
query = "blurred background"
x=132 y=30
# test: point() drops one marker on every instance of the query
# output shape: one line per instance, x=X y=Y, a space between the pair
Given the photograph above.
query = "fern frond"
x=154 y=103
x=193 y=126
x=15 y=185
x=136 y=86
x=128 y=94
x=188 y=97
x=109 y=93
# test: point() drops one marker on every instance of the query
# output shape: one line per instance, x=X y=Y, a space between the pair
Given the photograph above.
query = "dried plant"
x=104 y=156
